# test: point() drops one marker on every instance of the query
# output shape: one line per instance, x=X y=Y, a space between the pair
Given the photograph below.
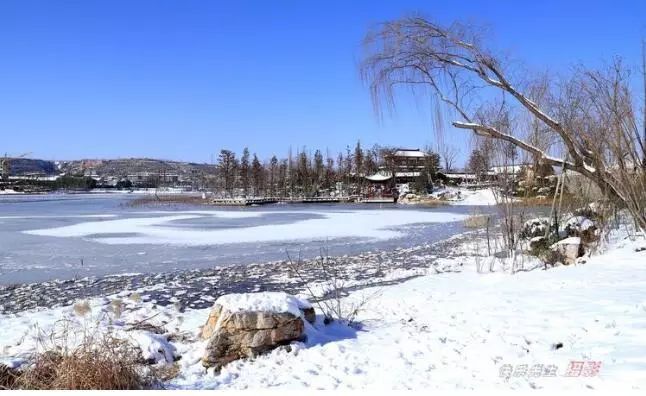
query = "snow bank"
x=477 y=197
x=463 y=196
x=277 y=302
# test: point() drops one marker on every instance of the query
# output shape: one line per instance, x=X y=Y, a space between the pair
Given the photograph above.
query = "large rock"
x=568 y=250
x=246 y=325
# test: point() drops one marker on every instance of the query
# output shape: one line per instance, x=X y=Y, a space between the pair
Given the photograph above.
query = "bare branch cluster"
x=584 y=122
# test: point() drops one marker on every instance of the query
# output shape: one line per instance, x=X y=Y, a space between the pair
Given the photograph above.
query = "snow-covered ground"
x=573 y=327
x=464 y=196
x=476 y=197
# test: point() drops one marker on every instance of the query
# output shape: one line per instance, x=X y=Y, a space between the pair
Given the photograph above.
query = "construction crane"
x=5 y=164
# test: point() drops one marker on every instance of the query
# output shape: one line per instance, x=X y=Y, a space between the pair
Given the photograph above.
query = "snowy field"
x=568 y=328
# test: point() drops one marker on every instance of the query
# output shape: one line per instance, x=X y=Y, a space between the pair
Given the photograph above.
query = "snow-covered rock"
x=569 y=249
x=534 y=227
x=248 y=324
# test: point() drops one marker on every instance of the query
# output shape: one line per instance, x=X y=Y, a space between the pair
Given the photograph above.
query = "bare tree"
x=227 y=167
x=448 y=154
x=590 y=113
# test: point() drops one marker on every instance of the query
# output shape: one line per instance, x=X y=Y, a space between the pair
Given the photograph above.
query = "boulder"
x=568 y=250
x=248 y=324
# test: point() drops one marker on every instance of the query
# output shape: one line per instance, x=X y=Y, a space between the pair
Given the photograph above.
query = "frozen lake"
x=67 y=236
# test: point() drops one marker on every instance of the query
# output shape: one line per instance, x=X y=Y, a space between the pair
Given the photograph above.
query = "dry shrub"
x=331 y=295
x=166 y=372
x=7 y=377
x=101 y=362
x=82 y=308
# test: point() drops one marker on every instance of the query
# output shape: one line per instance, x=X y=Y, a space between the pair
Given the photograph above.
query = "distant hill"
x=127 y=166
x=109 y=167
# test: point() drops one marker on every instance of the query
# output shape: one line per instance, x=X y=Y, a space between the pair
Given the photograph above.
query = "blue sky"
x=183 y=79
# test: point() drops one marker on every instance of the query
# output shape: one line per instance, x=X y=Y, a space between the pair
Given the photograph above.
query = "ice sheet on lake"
x=90 y=216
x=371 y=224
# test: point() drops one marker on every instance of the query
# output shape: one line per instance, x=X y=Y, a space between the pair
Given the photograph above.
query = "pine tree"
x=273 y=168
x=283 y=171
x=303 y=173
x=358 y=159
x=244 y=171
x=319 y=169
x=329 y=172
x=257 y=176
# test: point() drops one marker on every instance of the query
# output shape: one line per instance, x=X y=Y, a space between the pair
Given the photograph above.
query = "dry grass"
x=136 y=297
x=168 y=200
x=82 y=308
x=7 y=377
x=116 y=307
x=476 y=221
x=99 y=362
x=568 y=200
x=430 y=201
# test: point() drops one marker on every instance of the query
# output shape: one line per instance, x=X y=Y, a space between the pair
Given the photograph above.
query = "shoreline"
x=198 y=288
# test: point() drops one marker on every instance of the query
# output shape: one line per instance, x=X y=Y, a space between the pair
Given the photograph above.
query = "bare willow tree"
x=589 y=115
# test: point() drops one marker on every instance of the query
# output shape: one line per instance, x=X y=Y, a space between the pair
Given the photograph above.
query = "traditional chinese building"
x=406 y=164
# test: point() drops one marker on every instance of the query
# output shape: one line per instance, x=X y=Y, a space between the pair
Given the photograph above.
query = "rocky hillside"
x=113 y=167
x=23 y=166
x=126 y=166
